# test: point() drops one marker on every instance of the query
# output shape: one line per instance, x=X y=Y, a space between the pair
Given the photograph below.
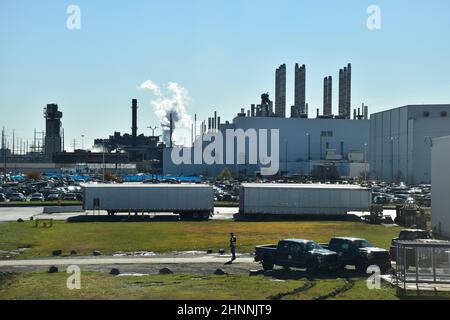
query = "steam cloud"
x=171 y=101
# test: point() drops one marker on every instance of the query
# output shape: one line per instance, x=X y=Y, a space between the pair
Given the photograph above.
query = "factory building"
x=440 y=177
x=306 y=146
x=345 y=91
x=83 y=156
x=280 y=91
x=53 y=140
x=327 y=96
x=143 y=149
x=400 y=141
x=265 y=109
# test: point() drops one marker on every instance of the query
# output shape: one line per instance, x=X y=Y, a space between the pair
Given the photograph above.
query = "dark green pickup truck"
x=296 y=253
x=359 y=253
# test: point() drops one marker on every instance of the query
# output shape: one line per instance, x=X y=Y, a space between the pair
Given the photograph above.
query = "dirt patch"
x=303 y=288
x=348 y=284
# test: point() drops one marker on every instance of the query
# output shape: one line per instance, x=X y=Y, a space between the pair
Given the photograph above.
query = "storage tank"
x=302 y=199
x=190 y=201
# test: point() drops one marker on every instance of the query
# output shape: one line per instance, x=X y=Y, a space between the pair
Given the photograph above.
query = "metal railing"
x=422 y=262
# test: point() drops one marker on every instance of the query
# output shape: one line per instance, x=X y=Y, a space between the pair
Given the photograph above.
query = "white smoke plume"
x=170 y=101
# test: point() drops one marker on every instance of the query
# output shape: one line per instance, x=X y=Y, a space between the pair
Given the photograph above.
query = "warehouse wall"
x=398 y=142
x=293 y=143
x=440 y=179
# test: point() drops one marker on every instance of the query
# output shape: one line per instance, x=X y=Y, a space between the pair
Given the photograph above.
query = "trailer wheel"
x=267 y=263
x=196 y=216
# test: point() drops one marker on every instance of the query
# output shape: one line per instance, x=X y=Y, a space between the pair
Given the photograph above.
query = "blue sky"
x=223 y=52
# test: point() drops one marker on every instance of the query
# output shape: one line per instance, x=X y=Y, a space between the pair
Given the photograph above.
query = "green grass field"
x=175 y=236
x=41 y=285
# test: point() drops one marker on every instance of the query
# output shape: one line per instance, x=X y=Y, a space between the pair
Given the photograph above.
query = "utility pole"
x=103 y=175
x=309 y=153
x=4 y=151
x=365 y=162
x=13 y=146
x=153 y=130
x=34 y=141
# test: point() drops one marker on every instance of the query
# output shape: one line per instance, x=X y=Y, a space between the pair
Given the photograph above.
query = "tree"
x=109 y=176
x=33 y=175
x=224 y=175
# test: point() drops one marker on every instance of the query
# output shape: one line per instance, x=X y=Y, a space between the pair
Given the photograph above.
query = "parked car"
x=381 y=199
x=53 y=197
x=3 y=197
x=359 y=253
x=70 y=197
x=297 y=253
x=407 y=234
x=37 y=197
x=17 y=197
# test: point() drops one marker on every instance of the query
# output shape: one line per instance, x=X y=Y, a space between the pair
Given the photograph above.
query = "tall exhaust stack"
x=171 y=130
x=134 y=108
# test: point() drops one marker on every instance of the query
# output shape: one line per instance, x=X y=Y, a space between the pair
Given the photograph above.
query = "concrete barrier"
x=62 y=209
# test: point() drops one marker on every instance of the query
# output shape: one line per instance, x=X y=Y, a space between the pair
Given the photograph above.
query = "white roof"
x=304 y=186
x=142 y=185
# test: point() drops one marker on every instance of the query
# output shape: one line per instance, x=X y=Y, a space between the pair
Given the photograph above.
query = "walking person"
x=233 y=240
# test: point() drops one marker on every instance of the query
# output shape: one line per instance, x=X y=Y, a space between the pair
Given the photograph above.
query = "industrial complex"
x=216 y=158
x=392 y=145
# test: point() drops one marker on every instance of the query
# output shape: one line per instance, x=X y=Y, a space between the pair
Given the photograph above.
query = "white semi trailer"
x=302 y=199
x=190 y=201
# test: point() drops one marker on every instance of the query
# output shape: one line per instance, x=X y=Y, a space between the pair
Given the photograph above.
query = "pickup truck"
x=407 y=234
x=359 y=253
x=296 y=253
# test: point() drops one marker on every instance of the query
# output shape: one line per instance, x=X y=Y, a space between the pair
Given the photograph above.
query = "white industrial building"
x=303 y=144
x=440 y=192
x=400 y=141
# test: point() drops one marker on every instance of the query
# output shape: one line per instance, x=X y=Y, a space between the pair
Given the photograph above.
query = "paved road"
x=220 y=213
x=122 y=260
x=15 y=213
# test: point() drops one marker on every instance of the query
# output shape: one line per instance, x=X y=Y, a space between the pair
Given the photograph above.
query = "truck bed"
x=263 y=250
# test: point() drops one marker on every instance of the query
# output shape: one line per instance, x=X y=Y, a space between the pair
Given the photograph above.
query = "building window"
x=426 y=114
x=330 y=133
x=443 y=114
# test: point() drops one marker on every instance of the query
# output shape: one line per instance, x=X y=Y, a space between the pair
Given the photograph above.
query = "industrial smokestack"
x=215 y=121
x=134 y=120
x=218 y=123
x=171 y=129
x=195 y=127
x=365 y=111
